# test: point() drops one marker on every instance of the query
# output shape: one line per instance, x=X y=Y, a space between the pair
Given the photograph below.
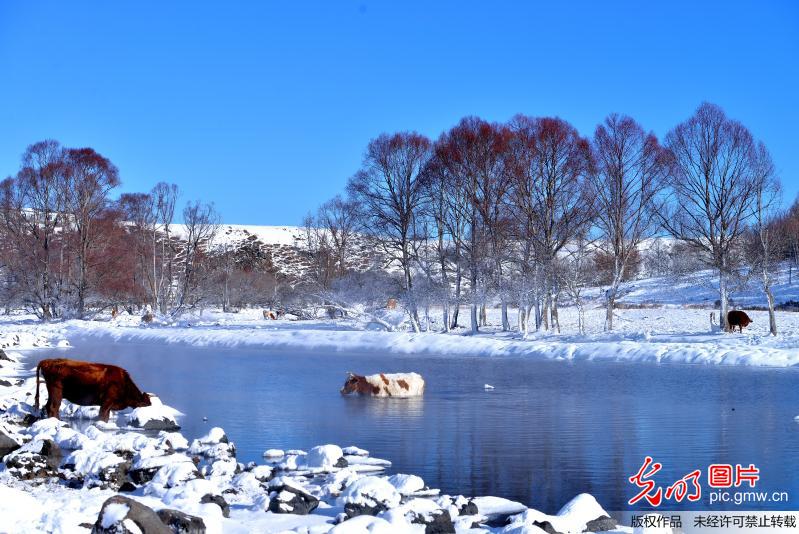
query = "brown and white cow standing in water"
x=88 y=384
x=385 y=385
x=739 y=319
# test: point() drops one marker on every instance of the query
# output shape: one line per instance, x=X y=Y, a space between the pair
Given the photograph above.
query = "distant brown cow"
x=739 y=319
x=88 y=384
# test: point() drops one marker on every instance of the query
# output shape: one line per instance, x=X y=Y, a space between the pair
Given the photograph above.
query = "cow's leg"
x=53 y=400
x=105 y=411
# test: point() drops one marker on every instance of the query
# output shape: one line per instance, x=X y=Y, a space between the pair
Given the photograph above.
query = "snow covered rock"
x=406 y=484
x=458 y=506
x=369 y=495
x=157 y=416
x=9 y=440
x=355 y=451
x=215 y=444
x=422 y=512
x=98 y=467
x=325 y=457
x=217 y=500
x=175 y=473
x=36 y=459
x=274 y=453
x=289 y=499
x=121 y=515
x=172 y=440
x=578 y=515
x=180 y=522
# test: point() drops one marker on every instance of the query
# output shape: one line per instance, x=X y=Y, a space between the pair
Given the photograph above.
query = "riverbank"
x=659 y=334
x=59 y=477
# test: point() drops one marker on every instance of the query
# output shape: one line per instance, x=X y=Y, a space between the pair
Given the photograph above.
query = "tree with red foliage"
x=550 y=193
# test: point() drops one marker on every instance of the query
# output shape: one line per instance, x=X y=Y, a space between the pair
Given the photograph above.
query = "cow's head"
x=144 y=400
x=351 y=384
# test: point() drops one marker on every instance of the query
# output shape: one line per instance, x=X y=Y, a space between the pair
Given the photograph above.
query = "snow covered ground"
x=661 y=334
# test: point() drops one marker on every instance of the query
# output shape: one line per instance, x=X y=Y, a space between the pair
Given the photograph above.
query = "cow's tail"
x=37 y=385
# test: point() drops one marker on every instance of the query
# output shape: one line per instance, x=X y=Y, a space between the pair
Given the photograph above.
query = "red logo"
x=688 y=487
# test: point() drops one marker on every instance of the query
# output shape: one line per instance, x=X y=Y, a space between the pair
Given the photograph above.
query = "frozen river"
x=548 y=431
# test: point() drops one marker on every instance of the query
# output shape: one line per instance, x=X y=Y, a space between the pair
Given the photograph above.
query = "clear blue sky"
x=266 y=107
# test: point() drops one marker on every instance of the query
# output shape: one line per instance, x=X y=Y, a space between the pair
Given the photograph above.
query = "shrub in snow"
x=369 y=495
x=121 y=515
x=325 y=457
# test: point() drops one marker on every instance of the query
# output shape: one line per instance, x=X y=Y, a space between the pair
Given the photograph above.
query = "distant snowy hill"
x=286 y=246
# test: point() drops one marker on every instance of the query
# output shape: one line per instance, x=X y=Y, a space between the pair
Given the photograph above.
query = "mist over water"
x=548 y=431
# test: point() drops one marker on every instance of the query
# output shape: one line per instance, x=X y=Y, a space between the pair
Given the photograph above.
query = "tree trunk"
x=505 y=322
x=445 y=316
x=611 y=303
x=555 y=319
x=473 y=317
x=772 y=318
x=456 y=311
x=723 y=301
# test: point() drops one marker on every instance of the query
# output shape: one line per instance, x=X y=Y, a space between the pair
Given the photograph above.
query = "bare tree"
x=337 y=218
x=89 y=179
x=32 y=212
x=713 y=189
x=631 y=168
x=767 y=201
x=201 y=221
x=164 y=199
x=550 y=195
x=576 y=272
x=389 y=191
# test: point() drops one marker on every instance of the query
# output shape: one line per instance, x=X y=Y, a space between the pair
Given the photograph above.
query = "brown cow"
x=739 y=319
x=88 y=384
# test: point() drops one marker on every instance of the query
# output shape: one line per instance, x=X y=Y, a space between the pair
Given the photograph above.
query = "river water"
x=548 y=431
